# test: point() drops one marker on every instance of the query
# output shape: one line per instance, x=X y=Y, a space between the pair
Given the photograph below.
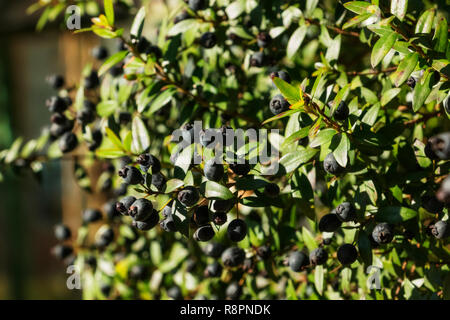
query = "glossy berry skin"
x=227 y=135
x=149 y=223
x=440 y=145
x=124 y=205
x=196 y=5
x=263 y=252
x=237 y=230
x=329 y=223
x=100 y=53
x=175 y=293
x=331 y=166
x=105 y=238
x=208 y=40
x=411 y=82
x=271 y=190
x=124 y=117
x=91 y=215
x=61 y=251
x=318 y=256
x=85 y=116
x=92 y=81
x=278 y=104
x=241 y=169
x=346 y=211
x=257 y=60
x=233 y=257
x=56 y=81
x=219 y=218
x=159 y=181
x=233 y=291
x=264 y=39
x=62 y=232
x=440 y=230
x=347 y=254
x=213 y=270
x=283 y=75
x=105 y=289
x=188 y=196
x=147 y=161
x=187 y=132
x=168 y=224
x=383 y=233
x=432 y=204
x=297 y=261
x=68 y=142
x=201 y=215
x=56 y=104
x=97 y=138
x=209 y=138
x=131 y=175
x=223 y=205
x=204 y=233
x=213 y=249
x=60 y=125
x=141 y=209
x=341 y=113
x=213 y=171
x=110 y=209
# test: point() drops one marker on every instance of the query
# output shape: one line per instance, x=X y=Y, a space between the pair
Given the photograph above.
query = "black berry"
x=131 y=175
x=331 y=165
x=341 y=112
x=233 y=257
x=62 y=232
x=204 y=233
x=346 y=211
x=278 y=104
x=329 y=223
x=124 y=205
x=382 y=233
x=141 y=209
x=213 y=171
x=208 y=40
x=347 y=254
x=297 y=260
x=318 y=256
x=237 y=230
x=188 y=196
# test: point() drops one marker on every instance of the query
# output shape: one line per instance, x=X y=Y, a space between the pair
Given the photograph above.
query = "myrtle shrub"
x=343 y=194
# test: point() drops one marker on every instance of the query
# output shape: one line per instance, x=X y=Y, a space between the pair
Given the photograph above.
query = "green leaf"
x=214 y=190
x=250 y=183
x=440 y=38
x=308 y=239
x=382 y=47
x=318 y=278
x=357 y=7
x=371 y=116
x=106 y=33
x=340 y=153
x=399 y=8
x=110 y=153
x=112 y=61
x=324 y=136
x=281 y=115
x=173 y=184
x=235 y=9
x=293 y=160
x=290 y=291
x=296 y=40
x=109 y=11
x=300 y=134
x=107 y=108
x=141 y=138
x=389 y=95
x=425 y=22
x=138 y=24
x=365 y=247
x=356 y=20
x=405 y=68
x=289 y=92
x=423 y=89
x=395 y=214
x=114 y=138
x=182 y=26
x=160 y=101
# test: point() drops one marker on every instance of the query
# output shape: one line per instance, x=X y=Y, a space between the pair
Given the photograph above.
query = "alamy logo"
x=373 y=281
x=73 y=21
x=74 y=280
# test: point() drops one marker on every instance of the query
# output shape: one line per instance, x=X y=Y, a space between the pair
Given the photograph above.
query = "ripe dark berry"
x=110 y=209
x=331 y=165
x=432 y=204
x=341 y=112
x=168 y=224
x=227 y=135
x=100 y=53
x=104 y=237
x=56 y=104
x=148 y=224
x=124 y=205
x=329 y=223
x=56 y=81
x=204 y=233
x=443 y=194
x=124 y=117
x=92 y=81
x=237 y=230
x=208 y=40
x=213 y=171
x=440 y=145
x=187 y=132
x=209 y=138
x=278 y=104
x=411 y=82
x=138 y=272
x=263 y=39
x=85 y=116
x=58 y=129
x=155 y=51
x=318 y=256
x=297 y=260
x=257 y=59
x=61 y=251
x=147 y=161
x=272 y=190
x=219 y=218
x=116 y=70
x=347 y=254
x=91 y=215
x=188 y=196
x=141 y=209
x=213 y=270
x=175 y=293
x=233 y=291
x=105 y=289
x=68 y=142
x=131 y=175
x=382 y=233
x=346 y=211
x=201 y=215
x=233 y=257
x=213 y=249
x=440 y=230
x=159 y=181
x=240 y=169
x=283 y=75
x=97 y=138
x=196 y=5
x=223 y=205
x=263 y=252
x=62 y=232
x=182 y=16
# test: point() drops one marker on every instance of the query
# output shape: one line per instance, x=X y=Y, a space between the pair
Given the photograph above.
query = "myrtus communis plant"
x=259 y=149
